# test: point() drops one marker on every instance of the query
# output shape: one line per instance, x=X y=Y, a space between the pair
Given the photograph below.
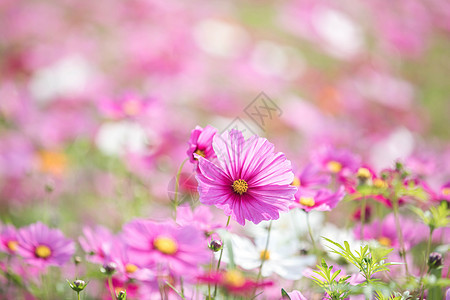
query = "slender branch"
x=111 y=287
x=263 y=258
x=220 y=259
x=400 y=234
x=177 y=184
x=310 y=232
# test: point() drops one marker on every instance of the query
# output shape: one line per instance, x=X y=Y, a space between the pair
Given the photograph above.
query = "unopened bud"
x=435 y=260
x=77 y=285
x=215 y=245
x=77 y=260
x=363 y=175
x=122 y=295
x=109 y=268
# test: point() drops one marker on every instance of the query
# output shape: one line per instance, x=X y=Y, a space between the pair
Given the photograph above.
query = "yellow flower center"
x=200 y=152
x=264 y=255
x=165 y=245
x=334 y=166
x=446 y=191
x=53 y=162
x=380 y=183
x=12 y=245
x=131 y=107
x=384 y=241
x=307 y=201
x=296 y=182
x=363 y=173
x=131 y=268
x=234 y=278
x=240 y=186
x=42 y=251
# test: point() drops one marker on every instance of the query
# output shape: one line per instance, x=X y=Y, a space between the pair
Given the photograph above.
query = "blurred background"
x=98 y=98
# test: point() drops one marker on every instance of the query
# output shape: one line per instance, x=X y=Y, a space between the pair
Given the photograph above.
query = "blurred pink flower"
x=385 y=232
x=181 y=250
x=201 y=217
x=8 y=239
x=128 y=105
x=97 y=243
x=339 y=162
x=42 y=246
x=320 y=200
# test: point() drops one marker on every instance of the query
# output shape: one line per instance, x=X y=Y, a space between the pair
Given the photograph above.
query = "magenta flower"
x=128 y=105
x=201 y=217
x=200 y=143
x=386 y=234
x=180 y=250
x=311 y=176
x=8 y=239
x=42 y=246
x=338 y=161
x=97 y=243
x=444 y=193
x=127 y=265
x=296 y=295
x=320 y=200
x=251 y=183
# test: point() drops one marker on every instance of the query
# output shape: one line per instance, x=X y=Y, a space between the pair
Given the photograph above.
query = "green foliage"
x=284 y=295
x=368 y=260
x=336 y=289
x=436 y=217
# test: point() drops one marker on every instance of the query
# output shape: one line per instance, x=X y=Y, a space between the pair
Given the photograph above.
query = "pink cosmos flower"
x=201 y=217
x=320 y=200
x=296 y=295
x=337 y=161
x=234 y=282
x=178 y=249
x=251 y=182
x=128 y=105
x=200 y=143
x=444 y=193
x=42 y=246
x=127 y=266
x=97 y=243
x=8 y=239
x=385 y=232
x=311 y=176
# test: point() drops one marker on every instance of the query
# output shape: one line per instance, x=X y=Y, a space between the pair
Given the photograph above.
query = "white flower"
x=282 y=257
x=116 y=138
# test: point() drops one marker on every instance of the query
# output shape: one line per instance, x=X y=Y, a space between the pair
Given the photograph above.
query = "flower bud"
x=122 y=295
x=77 y=285
x=108 y=268
x=363 y=175
x=435 y=260
x=215 y=245
x=77 y=260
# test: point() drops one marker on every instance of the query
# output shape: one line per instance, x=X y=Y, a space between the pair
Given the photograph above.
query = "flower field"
x=249 y=149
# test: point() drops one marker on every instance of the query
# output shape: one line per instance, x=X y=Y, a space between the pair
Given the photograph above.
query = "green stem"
x=400 y=234
x=111 y=287
x=310 y=232
x=177 y=184
x=263 y=259
x=78 y=294
x=220 y=259
x=175 y=290
x=363 y=218
x=210 y=269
